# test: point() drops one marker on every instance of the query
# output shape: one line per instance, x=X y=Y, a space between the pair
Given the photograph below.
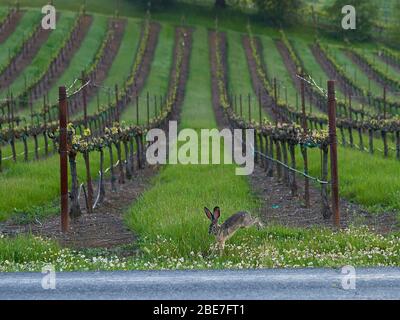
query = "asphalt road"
x=304 y=284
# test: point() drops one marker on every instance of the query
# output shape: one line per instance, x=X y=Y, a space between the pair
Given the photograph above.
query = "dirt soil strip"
x=222 y=122
x=111 y=53
x=144 y=70
x=25 y=57
x=176 y=113
x=145 y=66
x=50 y=78
x=292 y=69
x=105 y=228
x=389 y=61
x=9 y=26
x=330 y=70
x=267 y=100
x=289 y=64
x=280 y=207
x=363 y=65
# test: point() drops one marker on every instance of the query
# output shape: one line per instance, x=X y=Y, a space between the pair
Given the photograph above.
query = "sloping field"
x=146 y=69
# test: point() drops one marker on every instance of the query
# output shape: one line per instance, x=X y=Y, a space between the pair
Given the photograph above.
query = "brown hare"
x=226 y=230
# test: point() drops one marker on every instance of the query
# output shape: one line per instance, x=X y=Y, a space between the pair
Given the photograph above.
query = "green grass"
x=82 y=58
x=354 y=72
x=239 y=78
x=194 y=14
x=385 y=8
x=302 y=47
x=366 y=179
x=3 y=13
x=19 y=148
x=122 y=64
x=276 y=69
x=197 y=112
x=158 y=78
x=162 y=210
x=169 y=217
x=311 y=64
x=27 y=23
x=33 y=185
x=380 y=64
x=41 y=60
x=85 y=55
x=157 y=82
x=272 y=247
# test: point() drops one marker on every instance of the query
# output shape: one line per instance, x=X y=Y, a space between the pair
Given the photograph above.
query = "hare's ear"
x=217 y=213
x=208 y=213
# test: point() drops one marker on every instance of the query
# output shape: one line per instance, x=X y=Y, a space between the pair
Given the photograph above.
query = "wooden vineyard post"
x=384 y=134
x=235 y=104
x=25 y=82
x=397 y=137
x=333 y=151
x=261 y=145
x=384 y=102
x=137 y=109
x=98 y=100
x=350 y=106
x=9 y=59
x=276 y=102
x=46 y=145
x=304 y=148
x=279 y=158
x=31 y=107
x=14 y=152
x=148 y=108
x=84 y=99
x=259 y=107
x=8 y=112
x=116 y=104
x=86 y=153
x=351 y=120
x=286 y=97
x=63 y=107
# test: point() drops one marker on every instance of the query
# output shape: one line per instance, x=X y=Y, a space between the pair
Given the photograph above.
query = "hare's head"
x=213 y=216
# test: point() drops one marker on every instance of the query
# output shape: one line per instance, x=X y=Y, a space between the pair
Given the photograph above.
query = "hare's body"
x=226 y=230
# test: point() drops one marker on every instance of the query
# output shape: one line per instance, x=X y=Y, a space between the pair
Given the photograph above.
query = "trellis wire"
x=292 y=169
x=20 y=154
x=255 y=151
x=88 y=83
